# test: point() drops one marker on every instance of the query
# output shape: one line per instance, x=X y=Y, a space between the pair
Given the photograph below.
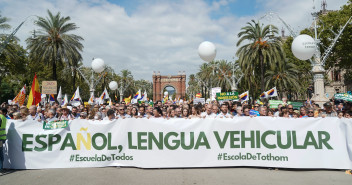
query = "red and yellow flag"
x=19 y=99
x=128 y=100
x=34 y=95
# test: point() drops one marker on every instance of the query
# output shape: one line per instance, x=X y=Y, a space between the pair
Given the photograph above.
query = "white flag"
x=263 y=95
x=244 y=96
x=59 y=97
x=144 y=98
x=65 y=102
x=104 y=95
x=91 y=99
x=138 y=95
x=272 y=92
x=76 y=98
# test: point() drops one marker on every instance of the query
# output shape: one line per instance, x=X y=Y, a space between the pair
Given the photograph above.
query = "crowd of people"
x=169 y=110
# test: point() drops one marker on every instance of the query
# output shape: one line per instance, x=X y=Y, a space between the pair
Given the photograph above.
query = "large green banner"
x=275 y=103
x=343 y=96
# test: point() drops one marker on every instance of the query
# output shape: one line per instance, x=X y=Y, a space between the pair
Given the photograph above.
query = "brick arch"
x=178 y=82
x=168 y=85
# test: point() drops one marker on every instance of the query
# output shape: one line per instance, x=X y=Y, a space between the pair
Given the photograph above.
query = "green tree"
x=54 y=44
x=262 y=50
x=283 y=77
x=330 y=24
x=193 y=87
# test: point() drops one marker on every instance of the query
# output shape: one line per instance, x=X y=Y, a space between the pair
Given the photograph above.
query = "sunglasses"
x=121 y=109
x=290 y=108
x=310 y=112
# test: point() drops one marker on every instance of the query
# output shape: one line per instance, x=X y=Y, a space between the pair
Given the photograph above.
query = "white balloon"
x=113 y=85
x=207 y=51
x=98 y=65
x=166 y=93
x=303 y=47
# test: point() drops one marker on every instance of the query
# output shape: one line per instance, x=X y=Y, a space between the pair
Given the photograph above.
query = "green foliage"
x=54 y=44
x=341 y=56
x=261 y=52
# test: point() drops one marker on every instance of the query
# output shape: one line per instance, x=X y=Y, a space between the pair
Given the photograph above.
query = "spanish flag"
x=34 y=95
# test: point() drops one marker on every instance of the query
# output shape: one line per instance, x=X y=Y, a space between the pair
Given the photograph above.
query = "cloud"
x=157 y=35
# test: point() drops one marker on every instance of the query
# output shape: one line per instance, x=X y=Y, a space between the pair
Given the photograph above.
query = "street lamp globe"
x=303 y=47
x=113 y=85
x=207 y=51
x=98 y=65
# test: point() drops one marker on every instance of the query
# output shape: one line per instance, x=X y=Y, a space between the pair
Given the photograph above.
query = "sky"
x=160 y=35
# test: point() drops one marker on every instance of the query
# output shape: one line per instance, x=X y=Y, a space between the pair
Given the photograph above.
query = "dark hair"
x=4 y=111
x=224 y=104
x=349 y=112
x=136 y=114
x=187 y=112
x=110 y=112
x=159 y=110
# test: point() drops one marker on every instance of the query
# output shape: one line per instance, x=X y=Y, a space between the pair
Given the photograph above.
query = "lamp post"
x=98 y=66
x=113 y=85
x=302 y=49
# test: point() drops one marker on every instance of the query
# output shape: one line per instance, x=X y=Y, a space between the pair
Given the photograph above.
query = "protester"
x=3 y=121
x=224 y=111
x=33 y=114
x=51 y=115
x=185 y=113
x=110 y=115
x=195 y=113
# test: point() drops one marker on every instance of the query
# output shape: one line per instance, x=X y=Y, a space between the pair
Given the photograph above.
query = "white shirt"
x=227 y=115
x=126 y=116
x=36 y=117
x=212 y=115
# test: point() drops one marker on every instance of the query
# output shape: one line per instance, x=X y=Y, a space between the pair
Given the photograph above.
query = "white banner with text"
x=182 y=143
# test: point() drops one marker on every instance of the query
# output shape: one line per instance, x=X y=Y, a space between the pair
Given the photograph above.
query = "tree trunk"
x=74 y=80
x=261 y=58
x=54 y=71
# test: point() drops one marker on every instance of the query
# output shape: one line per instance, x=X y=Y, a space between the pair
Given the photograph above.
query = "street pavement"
x=214 y=176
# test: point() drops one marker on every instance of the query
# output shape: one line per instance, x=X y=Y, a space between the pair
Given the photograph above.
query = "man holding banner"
x=3 y=122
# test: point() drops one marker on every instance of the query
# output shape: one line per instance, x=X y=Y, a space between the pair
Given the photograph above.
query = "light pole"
x=4 y=43
x=113 y=85
x=301 y=48
x=98 y=66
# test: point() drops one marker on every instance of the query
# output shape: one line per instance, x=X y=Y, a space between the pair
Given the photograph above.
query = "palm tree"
x=54 y=44
x=7 y=46
x=204 y=77
x=223 y=71
x=262 y=50
x=3 y=23
x=193 y=86
x=283 y=76
x=126 y=80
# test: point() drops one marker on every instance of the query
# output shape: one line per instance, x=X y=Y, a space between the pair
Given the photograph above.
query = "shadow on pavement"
x=7 y=172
